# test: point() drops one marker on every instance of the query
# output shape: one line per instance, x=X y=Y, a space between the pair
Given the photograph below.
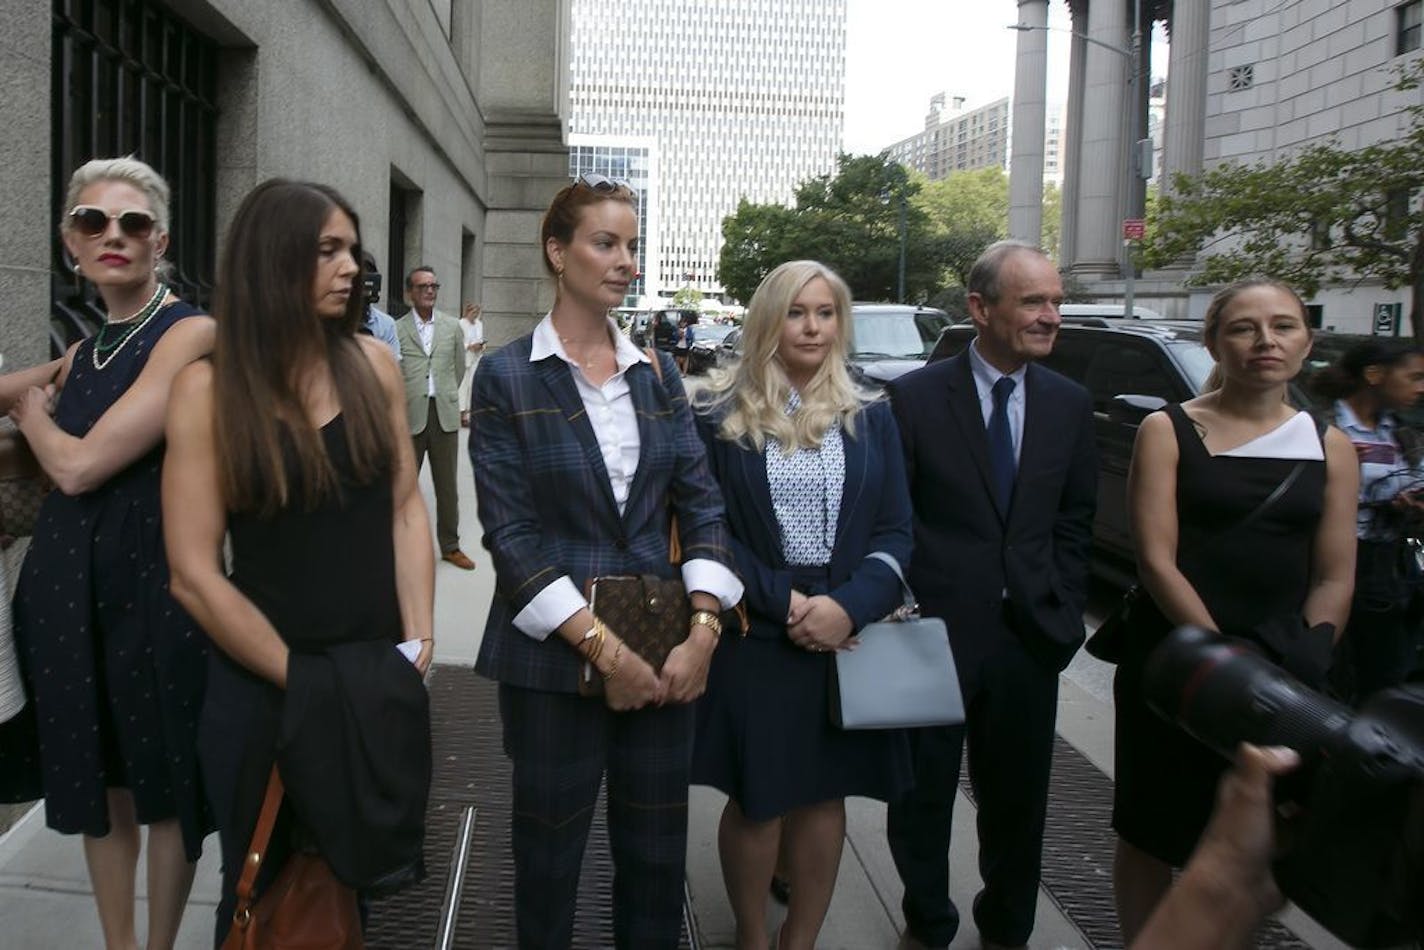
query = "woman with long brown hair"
x=293 y=439
x=115 y=666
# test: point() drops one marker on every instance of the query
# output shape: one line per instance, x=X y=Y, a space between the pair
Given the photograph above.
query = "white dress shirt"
x=426 y=330
x=985 y=376
x=614 y=419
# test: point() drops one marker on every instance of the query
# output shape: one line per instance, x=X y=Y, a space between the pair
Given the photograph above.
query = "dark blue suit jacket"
x=874 y=516
x=967 y=552
x=547 y=507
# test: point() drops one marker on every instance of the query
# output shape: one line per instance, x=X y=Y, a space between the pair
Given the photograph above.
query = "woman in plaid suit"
x=581 y=450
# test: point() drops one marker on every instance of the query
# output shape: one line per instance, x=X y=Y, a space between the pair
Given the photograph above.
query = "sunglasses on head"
x=601 y=183
x=92 y=222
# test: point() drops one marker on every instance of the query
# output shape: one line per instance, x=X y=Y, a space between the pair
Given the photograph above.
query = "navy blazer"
x=874 y=516
x=968 y=553
x=547 y=507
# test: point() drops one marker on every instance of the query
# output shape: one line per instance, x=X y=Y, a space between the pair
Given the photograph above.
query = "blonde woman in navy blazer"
x=581 y=451
x=814 y=478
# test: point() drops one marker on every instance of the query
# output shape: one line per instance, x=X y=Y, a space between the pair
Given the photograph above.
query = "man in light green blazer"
x=432 y=360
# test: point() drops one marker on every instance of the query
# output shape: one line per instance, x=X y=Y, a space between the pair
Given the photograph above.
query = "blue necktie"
x=1002 y=463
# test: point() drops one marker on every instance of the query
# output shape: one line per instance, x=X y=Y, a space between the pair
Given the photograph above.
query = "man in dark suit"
x=1003 y=480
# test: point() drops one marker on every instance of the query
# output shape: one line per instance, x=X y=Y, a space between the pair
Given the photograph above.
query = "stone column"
x=1073 y=135
x=523 y=93
x=1026 y=161
x=25 y=173
x=1103 y=149
x=1185 y=124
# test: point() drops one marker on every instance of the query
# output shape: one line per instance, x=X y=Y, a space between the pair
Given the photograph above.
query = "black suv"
x=893 y=338
x=1132 y=368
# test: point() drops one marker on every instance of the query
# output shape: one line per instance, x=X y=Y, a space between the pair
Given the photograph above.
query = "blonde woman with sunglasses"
x=116 y=668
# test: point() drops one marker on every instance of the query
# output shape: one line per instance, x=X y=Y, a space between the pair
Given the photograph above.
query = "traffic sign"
x=1387 y=319
x=1134 y=229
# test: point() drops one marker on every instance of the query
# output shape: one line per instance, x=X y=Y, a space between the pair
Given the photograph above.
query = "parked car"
x=664 y=323
x=1132 y=368
x=706 y=342
x=891 y=339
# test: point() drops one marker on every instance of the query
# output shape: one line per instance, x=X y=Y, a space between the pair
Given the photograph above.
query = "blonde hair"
x=752 y=395
x=1216 y=309
x=129 y=170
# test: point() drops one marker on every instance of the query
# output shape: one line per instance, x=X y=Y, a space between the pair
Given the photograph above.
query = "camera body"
x=1350 y=823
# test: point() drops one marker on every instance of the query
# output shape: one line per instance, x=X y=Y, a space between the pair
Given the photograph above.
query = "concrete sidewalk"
x=46 y=902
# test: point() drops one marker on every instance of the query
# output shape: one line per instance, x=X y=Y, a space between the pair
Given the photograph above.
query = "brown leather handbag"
x=305 y=908
x=23 y=484
x=651 y=614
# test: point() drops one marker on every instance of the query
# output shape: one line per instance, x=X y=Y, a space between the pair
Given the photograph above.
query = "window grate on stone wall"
x=131 y=78
x=1239 y=78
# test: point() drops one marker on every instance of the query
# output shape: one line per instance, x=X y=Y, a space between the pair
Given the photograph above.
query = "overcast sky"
x=901 y=52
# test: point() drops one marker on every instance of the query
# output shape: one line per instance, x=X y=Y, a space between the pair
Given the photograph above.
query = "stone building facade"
x=441 y=121
x=1248 y=80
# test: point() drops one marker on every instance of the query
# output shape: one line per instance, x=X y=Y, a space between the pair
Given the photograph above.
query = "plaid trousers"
x=561 y=745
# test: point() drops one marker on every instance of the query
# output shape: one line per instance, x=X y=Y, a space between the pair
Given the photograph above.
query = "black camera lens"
x=1223 y=692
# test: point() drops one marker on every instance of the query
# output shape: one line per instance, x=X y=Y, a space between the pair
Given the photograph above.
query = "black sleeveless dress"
x=1256 y=577
x=115 y=668
x=322 y=577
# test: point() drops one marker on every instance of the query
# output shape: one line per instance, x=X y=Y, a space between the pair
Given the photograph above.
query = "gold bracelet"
x=709 y=620
x=613 y=665
x=593 y=641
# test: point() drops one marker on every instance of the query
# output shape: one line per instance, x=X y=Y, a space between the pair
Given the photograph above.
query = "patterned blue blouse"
x=806 y=489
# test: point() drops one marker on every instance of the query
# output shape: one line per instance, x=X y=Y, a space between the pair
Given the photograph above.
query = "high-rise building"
x=635 y=162
x=741 y=98
x=956 y=139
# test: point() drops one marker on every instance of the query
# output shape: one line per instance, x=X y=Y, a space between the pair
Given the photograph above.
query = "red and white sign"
x=1134 y=229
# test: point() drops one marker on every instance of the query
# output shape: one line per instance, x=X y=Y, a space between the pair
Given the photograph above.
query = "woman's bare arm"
x=131 y=427
x=1332 y=576
x=1152 y=507
x=415 y=557
x=194 y=524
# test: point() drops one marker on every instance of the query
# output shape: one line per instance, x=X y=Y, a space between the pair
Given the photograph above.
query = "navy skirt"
x=764 y=732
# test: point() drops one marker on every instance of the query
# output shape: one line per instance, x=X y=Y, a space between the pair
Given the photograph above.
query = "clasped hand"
x=31 y=402
x=819 y=624
x=683 y=678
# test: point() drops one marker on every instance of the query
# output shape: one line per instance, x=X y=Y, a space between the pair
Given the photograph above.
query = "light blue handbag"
x=902 y=674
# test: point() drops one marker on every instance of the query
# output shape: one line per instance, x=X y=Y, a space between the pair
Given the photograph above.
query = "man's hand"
x=820 y=625
x=1226 y=887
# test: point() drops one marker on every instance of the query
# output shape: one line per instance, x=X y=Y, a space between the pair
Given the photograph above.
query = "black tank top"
x=327 y=575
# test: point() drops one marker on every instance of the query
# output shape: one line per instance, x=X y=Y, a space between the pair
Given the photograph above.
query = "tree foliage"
x=688 y=297
x=849 y=221
x=1325 y=215
x=968 y=211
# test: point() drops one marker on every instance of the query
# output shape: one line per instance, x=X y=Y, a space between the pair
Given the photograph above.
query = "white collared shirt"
x=985 y=376
x=614 y=419
x=426 y=330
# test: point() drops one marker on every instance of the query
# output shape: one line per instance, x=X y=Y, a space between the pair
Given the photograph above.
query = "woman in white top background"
x=474 y=327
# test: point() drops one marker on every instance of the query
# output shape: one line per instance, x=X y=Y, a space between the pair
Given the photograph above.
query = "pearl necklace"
x=131 y=326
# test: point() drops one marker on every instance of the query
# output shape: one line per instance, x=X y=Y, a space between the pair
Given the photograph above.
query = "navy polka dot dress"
x=115 y=667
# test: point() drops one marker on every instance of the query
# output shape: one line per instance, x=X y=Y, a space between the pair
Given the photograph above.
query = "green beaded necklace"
x=106 y=348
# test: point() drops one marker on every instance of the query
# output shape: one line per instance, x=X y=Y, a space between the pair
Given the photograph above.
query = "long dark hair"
x=269 y=336
x=1346 y=376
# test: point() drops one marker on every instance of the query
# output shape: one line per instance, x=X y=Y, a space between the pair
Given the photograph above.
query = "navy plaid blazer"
x=547 y=507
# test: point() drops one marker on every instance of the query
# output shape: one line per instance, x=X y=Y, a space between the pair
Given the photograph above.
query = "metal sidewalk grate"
x=1078 y=844
x=471 y=769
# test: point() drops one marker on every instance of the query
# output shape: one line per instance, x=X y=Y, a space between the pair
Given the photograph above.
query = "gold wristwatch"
x=709 y=620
